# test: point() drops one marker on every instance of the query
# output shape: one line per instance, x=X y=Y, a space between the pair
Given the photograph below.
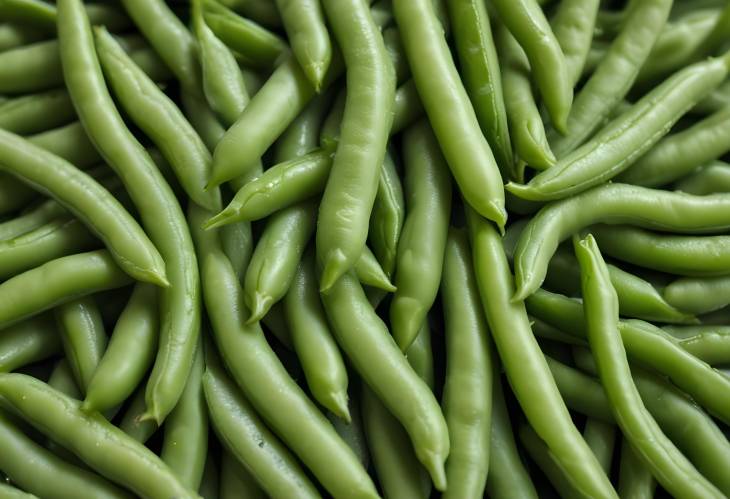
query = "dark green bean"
x=17 y=35
x=635 y=481
x=131 y=422
x=30 y=341
x=236 y=480
x=407 y=107
x=386 y=219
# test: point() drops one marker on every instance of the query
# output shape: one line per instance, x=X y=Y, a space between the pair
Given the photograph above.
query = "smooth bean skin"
x=668 y=465
x=304 y=23
x=573 y=24
x=29 y=341
x=10 y=492
x=89 y=201
x=83 y=337
x=601 y=437
x=62 y=379
x=482 y=78
x=373 y=351
x=302 y=135
x=14 y=194
x=635 y=480
x=185 y=441
x=42 y=473
x=312 y=340
x=611 y=204
x=271 y=110
x=387 y=217
x=249 y=441
x=467 y=399
x=708 y=179
x=370 y=273
x=97 y=442
x=129 y=354
x=159 y=118
x=407 y=107
x=280 y=186
x=449 y=110
x=698 y=295
x=525 y=365
x=622 y=141
x=526 y=21
x=347 y=201
x=678 y=154
x=236 y=480
x=131 y=422
x=274 y=261
x=540 y=454
x=159 y=210
x=223 y=84
x=13 y=35
x=421 y=246
x=526 y=128
x=56 y=282
x=31 y=68
x=32 y=218
x=615 y=74
x=507 y=477
x=55 y=239
x=264 y=380
x=70 y=142
x=36 y=112
x=674 y=254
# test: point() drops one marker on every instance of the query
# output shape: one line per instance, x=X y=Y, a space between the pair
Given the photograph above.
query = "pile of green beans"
x=364 y=248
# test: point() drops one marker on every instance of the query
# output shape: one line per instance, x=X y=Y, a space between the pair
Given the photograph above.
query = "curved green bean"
x=611 y=204
x=708 y=179
x=236 y=480
x=159 y=118
x=420 y=255
x=573 y=25
x=698 y=295
x=36 y=112
x=29 y=341
x=129 y=354
x=69 y=142
x=386 y=219
x=308 y=36
x=159 y=209
x=407 y=106
x=83 y=337
x=635 y=481
x=31 y=219
x=449 y=110
x=13 y=35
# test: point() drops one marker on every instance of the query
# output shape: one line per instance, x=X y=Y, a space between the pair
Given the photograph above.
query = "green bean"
x=394 y=46
x=613 y=77
x=159 y=118
x=386 y=219
x=31 y=219
x=131 y=422
x=56 y=282
x=398 y=470
x=27 y=342
x=321 y=360
x=668 y=465
x=169 y=37
x=42 y=16
x=98 y=443
x=581 y=392
x=573 y=26
x=264 y=380
x=83 y=337
x=36 y=112
x=261 y=11
x=481 y=75
x=236 y=480
x=10 y=492
x=69 y=142
x=276 y=256
x=447 y=105
x=546 y=461
x=31 y=68
x=718 y=99
x=275 y=323
x=710 y=347
x=611 y=203
x=210 y=483
x=525 y=123
x=635 y=481
x=525 y=366
x=310 y=42
x=349 y=195
x=370 y=273
x=17 y=35
x=352 y=431
x=406 y=108
x=678 y=154
x=185 y=442
x=716 y=37
x=420 y=254
x=258 y=46
x=507 y=476
x=528 y=24
x=467 y=399
x=89 y=201
x=40 y=472
x=628 y=136
x=360 y=332
x=129 y=354
x=329 y=136
x=222 y=80
x=302 y=135
x=160 y=212
x=202 y=118
x=698 y=295
x=62 y=379
x=675 y=254
x=246 y=437
x=708 y=179
x=542 y=329
x=280 y=186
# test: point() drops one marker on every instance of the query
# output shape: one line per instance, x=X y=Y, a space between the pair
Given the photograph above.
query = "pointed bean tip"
x=339 y=407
